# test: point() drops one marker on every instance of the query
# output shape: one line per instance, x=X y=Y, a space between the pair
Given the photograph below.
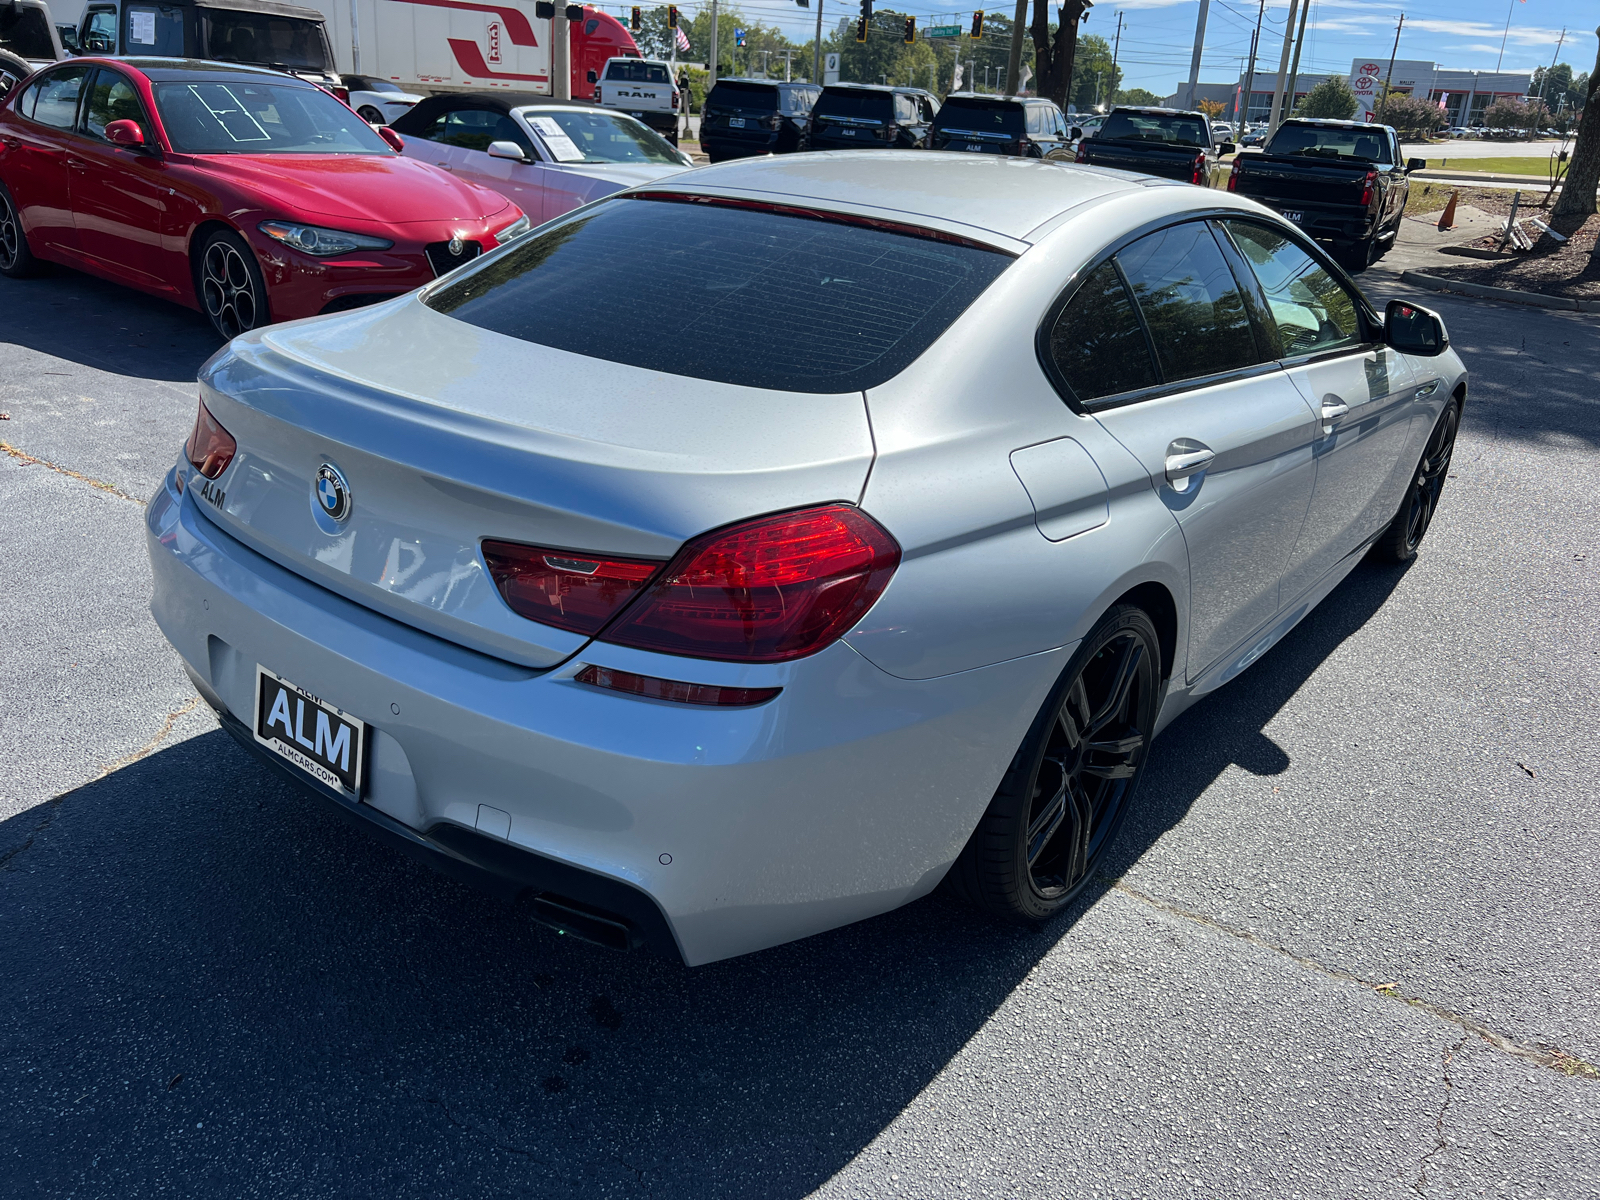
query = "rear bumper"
x=846 y=796
x=1334 y=222
x=740 y=143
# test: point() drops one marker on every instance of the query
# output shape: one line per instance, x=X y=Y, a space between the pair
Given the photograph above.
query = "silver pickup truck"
x=28 y=40
x=643 y=88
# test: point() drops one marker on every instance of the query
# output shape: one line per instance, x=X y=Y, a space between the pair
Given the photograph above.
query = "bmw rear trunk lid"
x=442 y=435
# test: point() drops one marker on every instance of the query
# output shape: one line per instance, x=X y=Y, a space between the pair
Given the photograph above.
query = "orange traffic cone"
x=1447 y=219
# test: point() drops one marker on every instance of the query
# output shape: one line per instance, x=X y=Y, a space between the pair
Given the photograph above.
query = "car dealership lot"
x=214 y=987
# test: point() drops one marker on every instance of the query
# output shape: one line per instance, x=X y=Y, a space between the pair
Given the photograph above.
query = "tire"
x=13 y=70
x=16 y=260
x=232 y=293
x=370 y=115
x=1399 y=542
x=1064 y=797
x=1356 y=257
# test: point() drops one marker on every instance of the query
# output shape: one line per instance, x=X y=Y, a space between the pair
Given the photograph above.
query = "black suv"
x=866 y=116
x=1028 y=128
x=756 y=116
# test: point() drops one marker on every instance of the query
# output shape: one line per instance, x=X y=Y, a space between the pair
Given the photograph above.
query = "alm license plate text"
x=325 y=742
x=1294 y=215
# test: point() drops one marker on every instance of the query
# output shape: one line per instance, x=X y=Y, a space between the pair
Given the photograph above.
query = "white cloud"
x=1519 y=36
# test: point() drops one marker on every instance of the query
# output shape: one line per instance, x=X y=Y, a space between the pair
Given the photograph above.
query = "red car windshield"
x=261 y=118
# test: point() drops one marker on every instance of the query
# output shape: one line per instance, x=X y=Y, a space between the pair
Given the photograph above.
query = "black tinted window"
x=634 y=71
x=1097 y=343
x=744 y=95
x=1310 y=311
x=843 y=102
x=1156 y=127
x=1190 y=301
x=256 y=37
x=1312 y=141
x=858 y=304
x=54 y=99
x=980 y=116
x=26 y=33
x=112 y=98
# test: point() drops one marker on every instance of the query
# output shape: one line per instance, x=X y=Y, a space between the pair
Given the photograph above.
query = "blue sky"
x=1158 y=35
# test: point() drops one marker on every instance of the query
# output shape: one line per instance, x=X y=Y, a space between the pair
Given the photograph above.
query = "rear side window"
x=1097 y=343
x=844 y=102
x=26 y=33
x=981 y=116
x=1311 y=311
x=905 y=110
x=744 y=96
x=1190 y=301
x=54 y=98
x=859 y=304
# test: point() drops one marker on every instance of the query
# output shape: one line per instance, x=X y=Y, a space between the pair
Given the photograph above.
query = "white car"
x=378 y=102
x=547 y=156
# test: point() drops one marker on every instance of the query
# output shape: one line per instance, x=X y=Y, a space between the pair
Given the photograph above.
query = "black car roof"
x=988 y=99
x=1155 y=111
x=426 y=112
x=777 y=83
x=171 y=70
x=877 y=87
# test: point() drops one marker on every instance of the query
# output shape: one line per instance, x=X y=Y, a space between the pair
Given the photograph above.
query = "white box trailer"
x=462 y=45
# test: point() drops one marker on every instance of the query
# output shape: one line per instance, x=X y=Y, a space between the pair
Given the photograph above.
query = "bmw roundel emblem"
x=332 y=492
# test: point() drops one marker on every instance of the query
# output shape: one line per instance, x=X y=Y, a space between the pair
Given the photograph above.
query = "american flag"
x=683 y=42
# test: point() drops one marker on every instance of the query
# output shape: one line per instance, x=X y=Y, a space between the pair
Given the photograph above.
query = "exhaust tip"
x=588 y=924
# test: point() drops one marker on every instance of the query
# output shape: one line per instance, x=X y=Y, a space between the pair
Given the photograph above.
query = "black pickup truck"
x=1343 y=182
x=1155 y=141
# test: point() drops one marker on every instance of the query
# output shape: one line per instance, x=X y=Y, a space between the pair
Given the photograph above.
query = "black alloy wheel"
x=370 y=115
x=1073 y=780
x=1410 y=525
x=231 y=288
x=16 y=260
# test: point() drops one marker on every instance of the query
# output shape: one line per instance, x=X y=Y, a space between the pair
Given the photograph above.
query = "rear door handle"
x=1331 y=412
x=1187 y=457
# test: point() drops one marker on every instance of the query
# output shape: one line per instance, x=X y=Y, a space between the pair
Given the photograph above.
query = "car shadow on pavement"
x=82 y=319
x=213 y=985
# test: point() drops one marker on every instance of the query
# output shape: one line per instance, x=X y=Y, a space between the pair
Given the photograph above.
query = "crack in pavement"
x=1438 y=1123
x=53 y=805
x=1554 y=1059
x=29 y=460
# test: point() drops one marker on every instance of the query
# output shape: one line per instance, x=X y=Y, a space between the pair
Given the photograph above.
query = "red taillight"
x=1200 y=169
x=1233 y=176
x=1367 y=188
x=343 y=94
x=1082 y=153
x=210 y=447
x=576 y=592
x=671 y=689
x=597 y=93
x=768 y=590
x=677 y=99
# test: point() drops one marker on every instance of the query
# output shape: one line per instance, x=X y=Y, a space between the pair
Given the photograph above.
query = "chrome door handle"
x=1185 y=458
x=1426 y=390
x=1333 y=411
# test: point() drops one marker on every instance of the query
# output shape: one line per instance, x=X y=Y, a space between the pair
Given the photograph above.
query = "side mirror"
x=124 y=133
x=396 y=142
x=594 y=77
x=1416 y=164
x=1226 y=148
x=69 y=41
x=507 y=150
x=1412 y=329
x=1076 y=133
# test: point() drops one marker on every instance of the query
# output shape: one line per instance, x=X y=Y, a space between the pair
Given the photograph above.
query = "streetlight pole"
x=716 y=50
x=816 y=57
x=1199 y=42
x=1250 y=77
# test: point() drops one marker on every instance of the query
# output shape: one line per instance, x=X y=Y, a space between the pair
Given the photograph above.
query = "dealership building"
x=1463 y=94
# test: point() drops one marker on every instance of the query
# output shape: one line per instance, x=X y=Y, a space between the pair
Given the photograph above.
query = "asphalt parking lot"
x=1349 y=949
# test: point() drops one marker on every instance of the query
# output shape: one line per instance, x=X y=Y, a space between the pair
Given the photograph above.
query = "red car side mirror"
x=124 y=133
x=393 y=138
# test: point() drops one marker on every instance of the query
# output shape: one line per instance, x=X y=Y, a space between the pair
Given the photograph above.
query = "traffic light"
x=672 y=16
x=865 y=21
x=911 y=30
x=637 y=23
x=977 y=25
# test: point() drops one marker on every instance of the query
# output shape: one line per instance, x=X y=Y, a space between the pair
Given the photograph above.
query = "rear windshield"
x=264 y=39
x=842 y=102
x=26 y=33
x=744 y=95
x=980 y=116
x=733 y=295
x=1361 y=145
x=634 y=71
x=261 y=118
x=1153 y=127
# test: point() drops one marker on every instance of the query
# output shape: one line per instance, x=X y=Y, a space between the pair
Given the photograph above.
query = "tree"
x=1514 y=115
x=1332 y=98
x=1212 y=108
x=1141 y=97
x=1055 y=46
x=1583 y=173
x=1095 y=78
x=1413 y=114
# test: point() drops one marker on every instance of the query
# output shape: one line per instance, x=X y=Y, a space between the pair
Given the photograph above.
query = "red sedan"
x=246 y=193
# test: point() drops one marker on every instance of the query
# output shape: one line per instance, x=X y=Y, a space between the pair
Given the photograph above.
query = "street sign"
x=944 y=31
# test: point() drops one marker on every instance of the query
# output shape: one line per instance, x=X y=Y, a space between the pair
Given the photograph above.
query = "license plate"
x=978 y=146
x=735 y=122
x=325 y=742
x=1294 y=215
x=849 y=132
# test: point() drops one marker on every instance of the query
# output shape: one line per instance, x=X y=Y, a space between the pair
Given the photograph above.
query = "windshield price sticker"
x=142 y=27
x=562 y=146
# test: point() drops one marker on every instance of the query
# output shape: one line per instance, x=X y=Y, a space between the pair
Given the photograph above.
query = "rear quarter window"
x=688 y=288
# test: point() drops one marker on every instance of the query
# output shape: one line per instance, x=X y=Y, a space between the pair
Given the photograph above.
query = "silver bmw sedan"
x=751 y=552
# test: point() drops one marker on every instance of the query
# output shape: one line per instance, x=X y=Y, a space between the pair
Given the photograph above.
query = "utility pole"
x=1014 y=61
x=1250 y=78
x=1383 y=104
x=1510 y=8
x=816 y=56
x=1283 y=69
x=560 y=53
x=1299 y=42
x=1543 y=83
x=716 y=50
x=1199 y=42
x=1116 y=47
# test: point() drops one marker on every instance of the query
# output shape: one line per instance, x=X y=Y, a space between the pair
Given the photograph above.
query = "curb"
x=1442 y=174
x=1484 y=292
